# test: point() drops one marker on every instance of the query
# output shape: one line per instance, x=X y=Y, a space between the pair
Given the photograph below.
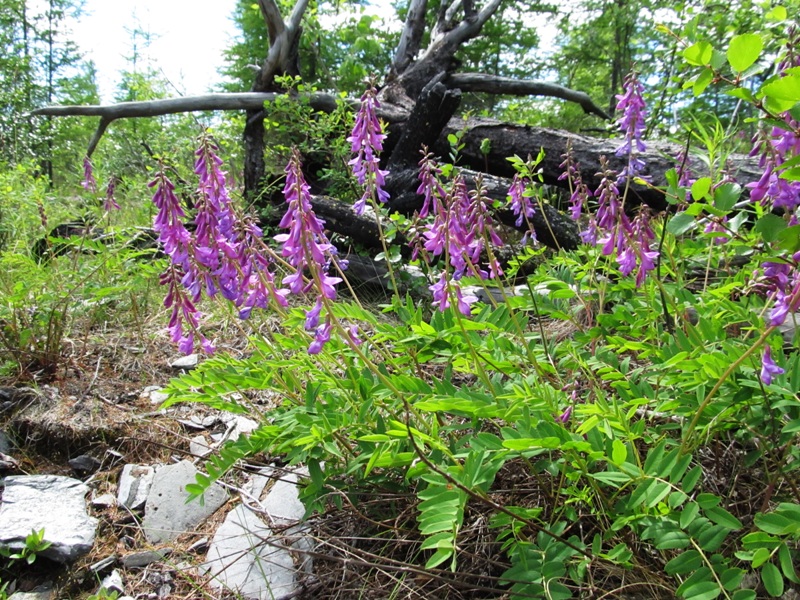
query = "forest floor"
x=99 y=403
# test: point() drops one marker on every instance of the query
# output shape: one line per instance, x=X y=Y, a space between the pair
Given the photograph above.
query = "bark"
x=505 y=139
x=282 y=59
x=509 y=139
x=494 y=84
x=439 y=57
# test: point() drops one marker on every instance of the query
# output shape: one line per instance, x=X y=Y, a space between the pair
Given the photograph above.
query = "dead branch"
x=495 y=84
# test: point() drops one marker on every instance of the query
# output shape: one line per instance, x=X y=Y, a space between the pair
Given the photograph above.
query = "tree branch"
x=272 y=18
x=411 y=38
x=495 y=84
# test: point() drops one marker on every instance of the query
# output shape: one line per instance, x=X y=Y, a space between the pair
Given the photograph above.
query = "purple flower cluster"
x=580 y=191
x=459 y=231
x=110 y=202
x=306 y=248
x=88 y=183
x=521 y=204
x=367 y=144
x=631 y=123
x=777 y=146
x=779 y=282
x=629 y=241
x=225 y=253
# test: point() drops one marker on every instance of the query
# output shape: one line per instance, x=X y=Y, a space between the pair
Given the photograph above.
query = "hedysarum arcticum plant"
x=629 y=241
x=306 y=248
x=367 y=143
x=631 y=123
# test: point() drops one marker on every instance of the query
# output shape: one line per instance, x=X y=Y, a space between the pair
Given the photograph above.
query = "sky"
x=189 y=37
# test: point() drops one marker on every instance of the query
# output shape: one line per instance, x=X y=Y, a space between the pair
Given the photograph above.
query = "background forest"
x=556 y=379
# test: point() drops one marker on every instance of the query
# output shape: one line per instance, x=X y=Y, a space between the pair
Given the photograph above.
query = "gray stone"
x=185 y=362
x=102 y=565
x=789 y=328
x=104 y=501
x=199 y=446
x=137 y=560
x=167 y=514
x=50 y=502
x=42 y=592
x=134 y=485
x=283 y=502
x=243 y=557
x=84 y=464
x=158 y=397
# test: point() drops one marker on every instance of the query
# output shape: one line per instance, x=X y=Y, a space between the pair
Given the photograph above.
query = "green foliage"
x=35 y=544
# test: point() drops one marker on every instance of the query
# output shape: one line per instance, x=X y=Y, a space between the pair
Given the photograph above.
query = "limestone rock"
x=240 y=559
x=50 y=502
x=167 y=514
x=134 y=485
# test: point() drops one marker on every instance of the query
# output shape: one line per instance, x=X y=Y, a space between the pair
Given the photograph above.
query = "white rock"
x=240 y=559
x=199 y=446
x=134 y=485
x=185 y=362
x=50 y=502
x=167 y=514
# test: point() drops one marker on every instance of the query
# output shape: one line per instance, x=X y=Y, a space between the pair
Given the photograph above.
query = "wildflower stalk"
x=687 y=438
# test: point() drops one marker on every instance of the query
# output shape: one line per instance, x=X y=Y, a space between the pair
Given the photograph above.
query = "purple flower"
x=429 y=185
x=168 y=222
x=185 y=318
x=768 y=367
x=366 y=142
x=777 y=146
x=110 y=203
x=572 y=173
x=521 y=204
x=321 y=337
x=88 y=183
x=631 y=123
x=312 y=316
x=441 y=295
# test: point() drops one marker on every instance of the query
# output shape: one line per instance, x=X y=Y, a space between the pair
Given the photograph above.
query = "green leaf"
x=688 y=514
x=744 y=595
x=760 y=556
x=744 y=50
x=703 y=590
x=769 y=226
x=702 y=82
x=680 y=223
x=789 y=239
x=787 y=565
x=706 y=500
x=672 y=540
x=700 y=188
x=619 y=452
x=720 y=516
x=742 y=93
x=777 y=14
x=711 y=538
x=776 y=524
x=684 y=563
x=726 y=195
x=772 y=579
x=692 y=477
x=782 y=94
x=698 y=54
